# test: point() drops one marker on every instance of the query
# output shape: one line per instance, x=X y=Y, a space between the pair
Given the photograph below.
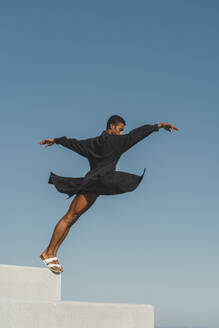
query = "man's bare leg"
x=80 y=204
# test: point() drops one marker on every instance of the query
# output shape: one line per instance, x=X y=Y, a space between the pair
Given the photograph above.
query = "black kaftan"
x=103 y=153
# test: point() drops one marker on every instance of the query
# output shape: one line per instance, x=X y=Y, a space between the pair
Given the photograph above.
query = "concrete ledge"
x=67 y=314
x=104 y=315
x=29 y=283
x=30 y=297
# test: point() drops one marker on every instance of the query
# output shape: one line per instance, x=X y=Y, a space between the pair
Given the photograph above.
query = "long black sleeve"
x=79 y=146
x=128 y=140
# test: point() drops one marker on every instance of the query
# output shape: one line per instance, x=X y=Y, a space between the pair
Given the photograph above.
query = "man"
x=103 y=153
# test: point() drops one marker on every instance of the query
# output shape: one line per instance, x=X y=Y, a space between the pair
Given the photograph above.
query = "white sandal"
x=50 y=259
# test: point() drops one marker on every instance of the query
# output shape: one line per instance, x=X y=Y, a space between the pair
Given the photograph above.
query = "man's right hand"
x=46 y=142
x=167 y=126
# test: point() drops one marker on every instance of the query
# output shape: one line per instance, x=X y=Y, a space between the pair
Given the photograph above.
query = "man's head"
x=115 y=125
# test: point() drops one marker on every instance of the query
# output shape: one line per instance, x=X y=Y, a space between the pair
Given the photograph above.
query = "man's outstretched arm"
x=128 y=140
x=79 y=146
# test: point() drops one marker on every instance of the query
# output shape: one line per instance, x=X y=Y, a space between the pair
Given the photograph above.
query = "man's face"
x=118 y=128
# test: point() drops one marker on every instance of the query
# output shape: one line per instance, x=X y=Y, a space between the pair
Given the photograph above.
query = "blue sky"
x=66 y=67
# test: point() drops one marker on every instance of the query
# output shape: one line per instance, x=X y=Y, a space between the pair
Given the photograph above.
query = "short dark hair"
x=115 y=119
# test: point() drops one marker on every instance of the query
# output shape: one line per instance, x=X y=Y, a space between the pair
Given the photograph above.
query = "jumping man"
x=103 y=153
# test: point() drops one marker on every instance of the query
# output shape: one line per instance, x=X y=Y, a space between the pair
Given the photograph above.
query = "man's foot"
x=55 y=268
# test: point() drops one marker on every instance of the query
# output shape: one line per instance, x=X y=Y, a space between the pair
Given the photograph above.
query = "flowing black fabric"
x=103 y=153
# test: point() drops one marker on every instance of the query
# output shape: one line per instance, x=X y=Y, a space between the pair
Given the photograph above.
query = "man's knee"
x=79 y=205
x=70 y=218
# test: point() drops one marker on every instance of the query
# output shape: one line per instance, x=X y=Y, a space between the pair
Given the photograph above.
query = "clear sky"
x=66 y=67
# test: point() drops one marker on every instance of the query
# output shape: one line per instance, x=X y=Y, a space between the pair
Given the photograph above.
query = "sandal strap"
x=50 y=259
x=54 y=264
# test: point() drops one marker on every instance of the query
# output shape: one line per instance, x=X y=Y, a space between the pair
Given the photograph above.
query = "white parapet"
x=29 y=283
x=67 y=314
x=30 y=297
